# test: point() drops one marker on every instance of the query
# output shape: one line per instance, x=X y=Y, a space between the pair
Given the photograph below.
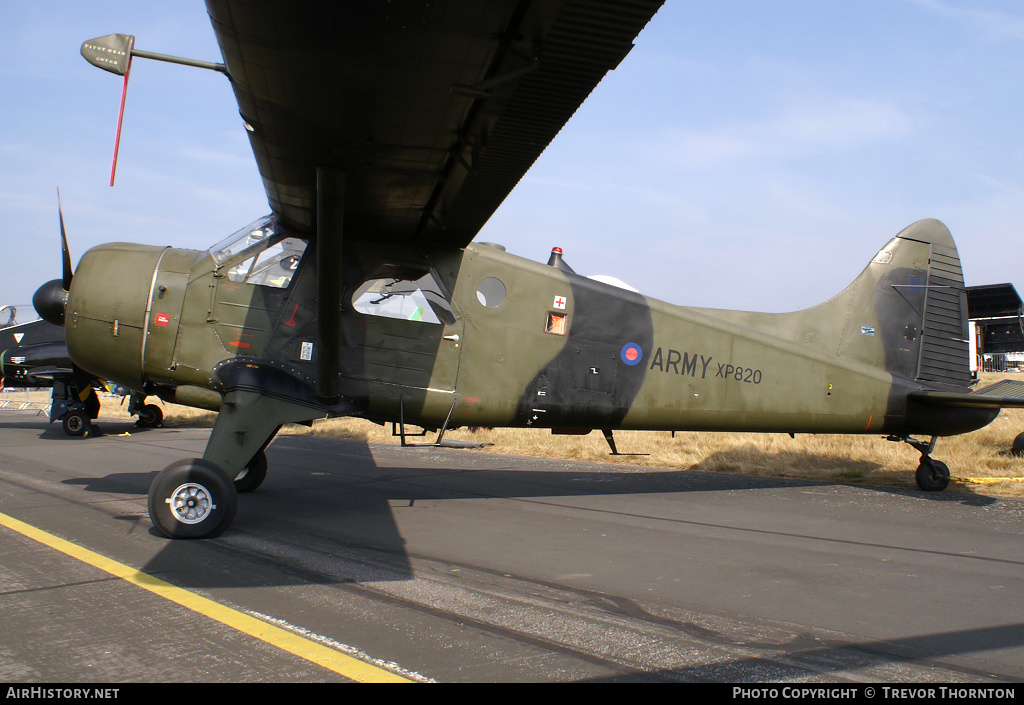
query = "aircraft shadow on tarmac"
x=325 y=515
x=334 y=500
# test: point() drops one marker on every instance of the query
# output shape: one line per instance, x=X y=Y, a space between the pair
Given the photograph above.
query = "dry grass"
x=871 y=460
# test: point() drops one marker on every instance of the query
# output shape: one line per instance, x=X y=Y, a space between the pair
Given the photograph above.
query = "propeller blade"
x=68 y=273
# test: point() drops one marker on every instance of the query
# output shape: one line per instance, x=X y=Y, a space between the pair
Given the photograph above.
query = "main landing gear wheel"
x=191 y=499
x=932 y=475
x=253 y=474
x=76 y=423
x=150 y=416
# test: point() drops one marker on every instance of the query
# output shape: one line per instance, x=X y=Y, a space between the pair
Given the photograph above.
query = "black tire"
x=253 y=475
x=1018 y=446
x=932 y=475
x=150 y=416
x=191 y=499
x=76 y=423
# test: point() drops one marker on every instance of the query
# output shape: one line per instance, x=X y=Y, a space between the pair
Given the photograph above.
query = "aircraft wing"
x=432 y=110
x=1001 y=395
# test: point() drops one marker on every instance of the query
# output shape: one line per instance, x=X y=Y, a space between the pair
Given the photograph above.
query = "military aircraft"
x=386 y=134
x=35 y=355
x=39 y=359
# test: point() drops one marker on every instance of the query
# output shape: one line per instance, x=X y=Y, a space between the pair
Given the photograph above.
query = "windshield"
x=259 y=255
x=252 y=235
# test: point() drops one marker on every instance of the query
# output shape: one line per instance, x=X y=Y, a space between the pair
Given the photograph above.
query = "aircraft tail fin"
x=919 y=308
x=905 y=313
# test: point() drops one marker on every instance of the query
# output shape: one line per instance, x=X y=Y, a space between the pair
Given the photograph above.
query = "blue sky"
x=747 y=154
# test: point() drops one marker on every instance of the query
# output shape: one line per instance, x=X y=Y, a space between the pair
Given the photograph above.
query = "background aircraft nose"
x=50 y=301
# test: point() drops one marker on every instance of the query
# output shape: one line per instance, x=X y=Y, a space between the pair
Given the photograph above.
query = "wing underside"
x=433 y=111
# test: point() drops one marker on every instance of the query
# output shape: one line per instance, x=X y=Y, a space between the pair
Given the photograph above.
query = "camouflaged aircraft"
x=386 y=135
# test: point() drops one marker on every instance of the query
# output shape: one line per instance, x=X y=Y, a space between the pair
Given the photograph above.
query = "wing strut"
x=330 y=212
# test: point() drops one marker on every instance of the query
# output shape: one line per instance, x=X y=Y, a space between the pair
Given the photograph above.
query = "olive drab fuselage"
x=384 y=151
x=477 y=336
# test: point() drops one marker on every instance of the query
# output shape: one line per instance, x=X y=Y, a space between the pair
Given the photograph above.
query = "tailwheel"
x=1018 y=446
x=932 y=475
x=253 y=474
x=192 y=499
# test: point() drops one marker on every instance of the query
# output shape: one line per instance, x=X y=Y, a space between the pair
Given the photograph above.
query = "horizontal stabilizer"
x=1001 y=395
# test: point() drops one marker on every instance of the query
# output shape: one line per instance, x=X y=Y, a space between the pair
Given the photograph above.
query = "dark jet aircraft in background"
x=387 y=133
x=34 y=355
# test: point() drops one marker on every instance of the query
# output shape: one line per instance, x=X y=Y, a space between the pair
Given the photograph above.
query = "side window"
x=405 y=293
x=491 y=292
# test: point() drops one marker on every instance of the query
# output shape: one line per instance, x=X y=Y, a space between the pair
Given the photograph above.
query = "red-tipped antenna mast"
x=114 y=53
x=120 y=114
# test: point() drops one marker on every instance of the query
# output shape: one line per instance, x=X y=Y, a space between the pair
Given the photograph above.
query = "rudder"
x=919 y=306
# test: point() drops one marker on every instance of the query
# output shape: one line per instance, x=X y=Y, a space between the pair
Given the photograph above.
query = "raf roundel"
x=631 y=354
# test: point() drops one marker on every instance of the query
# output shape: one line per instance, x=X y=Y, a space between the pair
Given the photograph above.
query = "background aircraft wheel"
x=150 y=416
x=191 y=499
x=1018 y=446
x=253 y=474
x=932 y=475
x=76 y=423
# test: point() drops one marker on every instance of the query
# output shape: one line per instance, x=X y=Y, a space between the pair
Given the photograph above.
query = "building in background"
x=997 y=328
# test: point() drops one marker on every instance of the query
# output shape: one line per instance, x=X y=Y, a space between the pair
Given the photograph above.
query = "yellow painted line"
x=282 y=638
x=986 y=480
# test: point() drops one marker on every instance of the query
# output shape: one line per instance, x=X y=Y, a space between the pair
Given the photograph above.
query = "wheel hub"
x=191 y=503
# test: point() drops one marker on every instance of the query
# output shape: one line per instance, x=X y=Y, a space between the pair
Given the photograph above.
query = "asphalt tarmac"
x=359 y=561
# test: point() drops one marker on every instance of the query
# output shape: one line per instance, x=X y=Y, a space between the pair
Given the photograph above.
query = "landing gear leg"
x=932 y=475
x=234 y=461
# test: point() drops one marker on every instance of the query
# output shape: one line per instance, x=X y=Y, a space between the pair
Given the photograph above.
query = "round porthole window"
x=490 y=292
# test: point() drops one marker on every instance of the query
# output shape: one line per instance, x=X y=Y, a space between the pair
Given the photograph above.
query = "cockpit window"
x=253 y=235
x=271 y=260
x=274 y=266
x=404 y=293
